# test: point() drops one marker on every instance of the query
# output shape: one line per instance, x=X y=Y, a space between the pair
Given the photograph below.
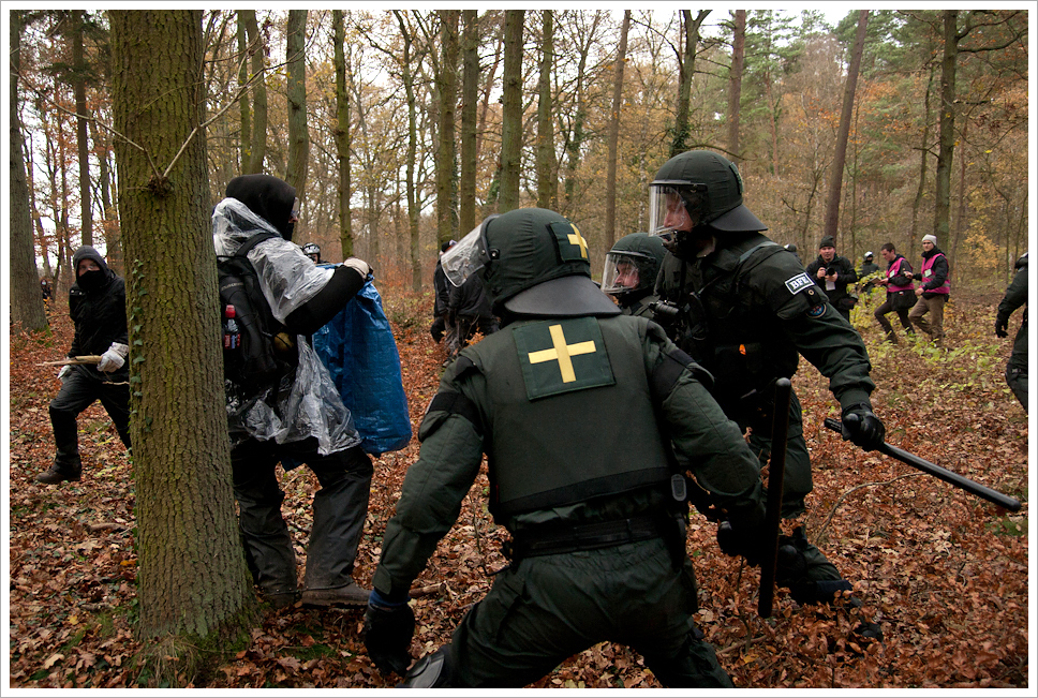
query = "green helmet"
x=535 y=262
x=632 y=264
x=710 y=188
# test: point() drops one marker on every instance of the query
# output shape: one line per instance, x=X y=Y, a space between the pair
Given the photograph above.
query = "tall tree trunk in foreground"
x=614 y=133
x=512 y=112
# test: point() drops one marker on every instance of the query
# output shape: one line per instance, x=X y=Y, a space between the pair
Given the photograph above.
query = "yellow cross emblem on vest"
x=575 y=238
x=562 y=352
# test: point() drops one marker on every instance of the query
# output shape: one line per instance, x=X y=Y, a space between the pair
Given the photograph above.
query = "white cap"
x=930 y=238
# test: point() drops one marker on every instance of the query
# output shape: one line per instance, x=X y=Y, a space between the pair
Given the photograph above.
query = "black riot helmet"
x=533 y=262
x=631 y=266
x=1020 y=263
x=709 y=188
x=313 y=251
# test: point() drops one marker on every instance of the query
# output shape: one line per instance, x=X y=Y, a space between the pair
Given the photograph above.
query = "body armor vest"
x=558 y=438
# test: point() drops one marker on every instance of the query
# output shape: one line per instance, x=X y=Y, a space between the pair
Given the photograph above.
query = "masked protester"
x=630 y=272
x=570 y=401
x=97 y=304
x=301 y=419
x=747 y=310
x=1016 y=295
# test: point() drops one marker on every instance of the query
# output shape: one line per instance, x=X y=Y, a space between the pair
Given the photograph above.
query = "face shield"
x=623 y=273
x=667 y=210
x=468 y=256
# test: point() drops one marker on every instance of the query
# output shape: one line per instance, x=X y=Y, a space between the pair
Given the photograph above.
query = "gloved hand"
x=792 y=571
x=64 y=372
x=361 y=267
x=388 y=629
x=114 y=358
x=1001 y=327
x=862 y=427
x=735 y=542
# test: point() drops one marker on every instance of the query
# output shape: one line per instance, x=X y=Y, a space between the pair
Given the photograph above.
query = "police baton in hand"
x=963 y=483
x=773 y=514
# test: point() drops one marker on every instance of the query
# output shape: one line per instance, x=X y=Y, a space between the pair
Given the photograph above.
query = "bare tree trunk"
x=924 y=155
x=946 y=136
x=298 y=131
x=735 y=84
x=192 y=580
x=446 y=160
x=469 y=97
x=681 y=134
x=244 y=109
x=412 y=149
x=614 y=133
x=832 y=209
x=86 y=213
x=258 y=142
x=546 y=187
x=342 y=136
x=512 y=112
x=27 y=312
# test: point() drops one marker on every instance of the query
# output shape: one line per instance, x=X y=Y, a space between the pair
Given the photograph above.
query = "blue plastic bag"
x=358 y=348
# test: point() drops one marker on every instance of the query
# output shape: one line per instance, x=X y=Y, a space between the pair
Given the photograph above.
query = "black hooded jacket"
x=98 y=311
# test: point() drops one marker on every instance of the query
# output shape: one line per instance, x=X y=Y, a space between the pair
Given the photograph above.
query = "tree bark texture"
x=244 y=108
x=546 y=184
x=192 y=578
x=258 y=142
x=446 y=159
x=690 y=42
x=26 y=303
x=830 y=225
x=342 y=135
x=469 y=99
x=946 y=132
x=298 y=131
x=512 y=112
x=86 y=212
x=614 y=133
x=735 y=84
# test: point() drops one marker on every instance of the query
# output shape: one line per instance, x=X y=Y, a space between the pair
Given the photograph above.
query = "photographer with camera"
x=833 y=274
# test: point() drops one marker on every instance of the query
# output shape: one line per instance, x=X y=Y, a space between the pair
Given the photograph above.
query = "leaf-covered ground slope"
x=944 y=573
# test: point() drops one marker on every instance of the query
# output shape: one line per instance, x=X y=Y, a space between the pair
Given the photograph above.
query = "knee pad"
x=431 y=671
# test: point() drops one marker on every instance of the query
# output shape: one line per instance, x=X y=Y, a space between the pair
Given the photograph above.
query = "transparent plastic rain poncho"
x=307 y=402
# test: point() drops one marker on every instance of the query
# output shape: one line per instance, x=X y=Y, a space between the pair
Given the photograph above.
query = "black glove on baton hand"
x=388 y=628
x=1001 y=328
x=735 y=542
x=862 y=427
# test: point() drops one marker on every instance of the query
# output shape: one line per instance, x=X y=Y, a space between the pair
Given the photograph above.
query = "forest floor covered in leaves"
x=943 y=573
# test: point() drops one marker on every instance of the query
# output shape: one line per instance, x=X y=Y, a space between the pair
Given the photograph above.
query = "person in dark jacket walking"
x=468 y=310
x=97 y=304
x=301 y=419
x=1016 y=295
x=933 y=292
x=576 y=407
x=441 y=294
x=833 y=274
x=900 y=292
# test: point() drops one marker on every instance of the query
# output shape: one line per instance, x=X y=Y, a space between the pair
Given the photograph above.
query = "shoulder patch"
x=818 y=310
x=562 y=356
x=798 y=283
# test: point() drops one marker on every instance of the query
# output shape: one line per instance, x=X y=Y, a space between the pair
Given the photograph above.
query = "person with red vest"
x=900 y=291
x=932 y=292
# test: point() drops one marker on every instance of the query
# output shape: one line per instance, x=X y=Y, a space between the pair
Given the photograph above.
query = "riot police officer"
x=568 y=401
x=630 y=272
x=744 y=308
x=1016 y=295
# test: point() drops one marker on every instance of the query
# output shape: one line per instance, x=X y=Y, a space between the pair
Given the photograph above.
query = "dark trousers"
x=78 y=391
x=339 y=510
x=902 y=315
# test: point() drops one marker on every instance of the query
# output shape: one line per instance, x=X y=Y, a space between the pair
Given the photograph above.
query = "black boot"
x=60 y=472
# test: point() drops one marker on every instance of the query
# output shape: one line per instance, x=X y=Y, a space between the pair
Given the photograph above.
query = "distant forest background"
x=418 y=124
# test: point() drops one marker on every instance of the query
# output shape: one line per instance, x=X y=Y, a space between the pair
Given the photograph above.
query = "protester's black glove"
x=1001 y=327
x=735 y=542
x=388 y=629
x=862 y=427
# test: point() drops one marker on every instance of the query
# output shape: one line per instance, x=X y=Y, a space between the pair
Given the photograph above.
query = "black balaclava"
x=91 y=280
x=268 y=197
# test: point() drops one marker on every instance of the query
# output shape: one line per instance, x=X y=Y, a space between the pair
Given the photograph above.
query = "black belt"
x=591 y=536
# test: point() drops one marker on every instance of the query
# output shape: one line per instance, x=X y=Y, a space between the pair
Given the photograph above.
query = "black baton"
x=963 y=483
x=773 y=515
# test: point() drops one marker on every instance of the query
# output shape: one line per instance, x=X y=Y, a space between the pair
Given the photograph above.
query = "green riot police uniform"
x=571 y=410
x=1016 y=367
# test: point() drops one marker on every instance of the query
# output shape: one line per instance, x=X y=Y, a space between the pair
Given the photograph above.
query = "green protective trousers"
x=545 y=609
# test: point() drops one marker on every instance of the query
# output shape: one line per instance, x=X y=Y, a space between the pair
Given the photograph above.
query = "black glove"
x=388 y=629
x=791 y=571
x=862 y=427
x=735 y=542
x=1001 y=327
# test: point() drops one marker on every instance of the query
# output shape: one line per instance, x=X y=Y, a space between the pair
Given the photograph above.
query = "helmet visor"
x=466 y=257
x=623 y=273
x=667 y=211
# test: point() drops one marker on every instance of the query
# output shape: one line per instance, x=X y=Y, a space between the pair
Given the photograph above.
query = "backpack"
x=253 y=365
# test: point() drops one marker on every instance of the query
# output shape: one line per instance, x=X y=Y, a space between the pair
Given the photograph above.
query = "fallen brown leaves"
x=944 y=573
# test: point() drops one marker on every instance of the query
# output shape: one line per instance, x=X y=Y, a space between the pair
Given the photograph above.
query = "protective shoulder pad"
x=667 y=372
